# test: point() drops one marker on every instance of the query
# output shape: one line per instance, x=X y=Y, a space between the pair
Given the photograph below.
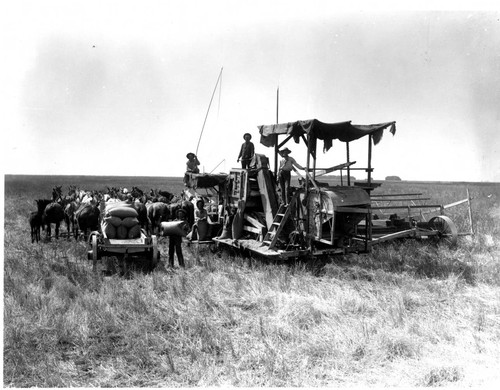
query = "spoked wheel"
x=94 y=251
x=447 y=231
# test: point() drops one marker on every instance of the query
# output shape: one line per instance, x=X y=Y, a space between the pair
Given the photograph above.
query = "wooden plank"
x=383 y=195
x=455 y=203
x=405 y=207
x=252 y=229
x=399 y=199
x=340 y=209
x=254 y=222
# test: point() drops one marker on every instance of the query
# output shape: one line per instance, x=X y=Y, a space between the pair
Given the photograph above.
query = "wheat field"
x=409 y=314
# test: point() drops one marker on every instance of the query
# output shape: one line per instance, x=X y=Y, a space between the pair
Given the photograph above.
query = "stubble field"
x=409 y=314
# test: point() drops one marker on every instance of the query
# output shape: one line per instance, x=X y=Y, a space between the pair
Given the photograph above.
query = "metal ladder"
x=271 y=237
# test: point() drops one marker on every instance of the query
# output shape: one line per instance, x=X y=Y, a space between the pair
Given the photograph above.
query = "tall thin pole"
x=208 y=110
x=369 y=160
x=276 y=143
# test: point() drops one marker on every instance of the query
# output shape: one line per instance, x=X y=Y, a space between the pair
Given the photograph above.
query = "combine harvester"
x=320 y=219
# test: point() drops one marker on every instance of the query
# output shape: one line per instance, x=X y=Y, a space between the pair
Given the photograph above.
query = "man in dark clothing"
x=175 y=242
x=246 y=152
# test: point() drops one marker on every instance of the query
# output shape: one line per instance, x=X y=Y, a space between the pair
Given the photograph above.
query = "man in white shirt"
x=284 y=173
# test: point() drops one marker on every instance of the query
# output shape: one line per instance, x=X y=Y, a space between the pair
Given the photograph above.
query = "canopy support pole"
x=370 y=160
x=307 y=163
x=348 y=169
x=276 y=156
x=308 y=217
x=314 y=167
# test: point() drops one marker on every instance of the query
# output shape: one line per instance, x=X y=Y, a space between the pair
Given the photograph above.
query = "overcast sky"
x=122 y=88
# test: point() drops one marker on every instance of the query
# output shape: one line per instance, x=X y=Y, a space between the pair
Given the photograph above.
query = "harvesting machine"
x=320 y=219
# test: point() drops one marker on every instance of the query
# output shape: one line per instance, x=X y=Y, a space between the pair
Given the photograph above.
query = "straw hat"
x=286 y=150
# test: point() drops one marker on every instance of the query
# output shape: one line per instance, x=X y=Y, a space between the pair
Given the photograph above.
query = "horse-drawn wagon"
x=121 y=241
x=121 y=253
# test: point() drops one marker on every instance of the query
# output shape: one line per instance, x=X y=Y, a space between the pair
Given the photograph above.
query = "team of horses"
x=82 y=210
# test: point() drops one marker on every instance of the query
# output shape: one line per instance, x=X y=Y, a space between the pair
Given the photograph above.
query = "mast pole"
x=276 y=141
x=208 y=110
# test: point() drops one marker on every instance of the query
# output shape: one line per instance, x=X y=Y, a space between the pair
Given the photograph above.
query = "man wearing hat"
x=175 y=241
x=246 y=151
x=191 y=166
x=284 y=173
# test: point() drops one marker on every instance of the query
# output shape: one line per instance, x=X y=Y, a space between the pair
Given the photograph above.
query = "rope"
x=206 y=116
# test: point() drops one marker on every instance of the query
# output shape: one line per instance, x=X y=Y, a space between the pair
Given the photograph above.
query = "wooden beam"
x=254 y=222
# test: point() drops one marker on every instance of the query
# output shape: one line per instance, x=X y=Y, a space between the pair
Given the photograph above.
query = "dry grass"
x=410 y=314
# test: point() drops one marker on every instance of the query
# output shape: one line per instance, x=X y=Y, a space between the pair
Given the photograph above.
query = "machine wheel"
x=446 y=229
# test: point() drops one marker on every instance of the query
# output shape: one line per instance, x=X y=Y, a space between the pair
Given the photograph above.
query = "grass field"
x=409 y=314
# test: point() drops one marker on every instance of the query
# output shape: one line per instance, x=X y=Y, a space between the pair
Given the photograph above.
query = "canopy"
x=343 y=131
x=207 y=180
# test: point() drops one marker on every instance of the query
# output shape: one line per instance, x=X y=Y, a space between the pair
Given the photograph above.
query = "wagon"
x=121 y=253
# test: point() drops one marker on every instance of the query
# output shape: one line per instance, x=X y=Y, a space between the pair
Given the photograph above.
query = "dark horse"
x=185 y=205
x=158 y=212
x=35 y=224
x=86 y=218
x=69 y=216
x=142 y=214
x=51 y=213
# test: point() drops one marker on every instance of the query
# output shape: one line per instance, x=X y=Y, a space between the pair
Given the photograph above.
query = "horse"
x=57 y=193
x=69 y=216
x=142 y=214
x=161 y=196
x=35 y=224
x=185 y=205
x=86 y=218
x=157 y=213
x=52 y=214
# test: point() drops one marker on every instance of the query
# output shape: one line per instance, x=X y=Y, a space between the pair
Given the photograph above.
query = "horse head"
x=56 y=193
x=41 y=204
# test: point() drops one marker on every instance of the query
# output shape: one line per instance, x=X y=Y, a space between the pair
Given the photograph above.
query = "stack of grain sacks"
x=120 y=221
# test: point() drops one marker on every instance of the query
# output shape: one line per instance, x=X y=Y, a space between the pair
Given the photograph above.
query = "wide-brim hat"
x=244 y=135
x=286 y=150
x=189 y=155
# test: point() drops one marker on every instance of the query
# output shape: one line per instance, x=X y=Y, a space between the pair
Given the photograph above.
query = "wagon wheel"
x=446 y=229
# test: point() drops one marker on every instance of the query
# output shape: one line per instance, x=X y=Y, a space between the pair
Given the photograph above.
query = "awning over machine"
x=207 y=180
x=343 y=131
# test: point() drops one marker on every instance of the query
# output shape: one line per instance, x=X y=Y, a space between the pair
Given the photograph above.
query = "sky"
x=123 y=88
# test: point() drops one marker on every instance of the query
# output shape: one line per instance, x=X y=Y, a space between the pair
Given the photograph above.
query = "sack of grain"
x=108 y=230
x=122 y=211
x=129 y=222
x=134 y=232
x=115 y=221
x=174 y=228
x=121 y=232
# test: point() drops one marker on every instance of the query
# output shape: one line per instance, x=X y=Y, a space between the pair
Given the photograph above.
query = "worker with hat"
x=284 y=174
x=175 y=240
x=246 y=152
x=191 y=166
